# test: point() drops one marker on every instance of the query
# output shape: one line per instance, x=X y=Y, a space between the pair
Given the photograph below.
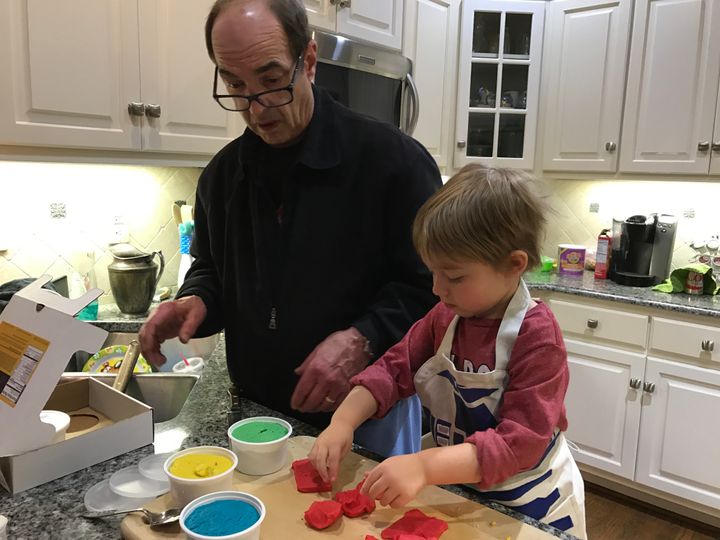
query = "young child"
x=487 y=362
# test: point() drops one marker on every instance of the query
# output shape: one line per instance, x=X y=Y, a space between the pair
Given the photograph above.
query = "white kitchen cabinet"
x=584 y=64
x=643 y=397
x=75 y=67
x=498 y=82
x=375 y=21
x=430 y=42
x=603 y=408
x=672 y=87
x=679 y=432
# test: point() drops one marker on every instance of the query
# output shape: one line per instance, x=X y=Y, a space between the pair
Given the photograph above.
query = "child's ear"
x=518 y=261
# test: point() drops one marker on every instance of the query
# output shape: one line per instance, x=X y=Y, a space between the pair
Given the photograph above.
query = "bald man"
x=302 y=247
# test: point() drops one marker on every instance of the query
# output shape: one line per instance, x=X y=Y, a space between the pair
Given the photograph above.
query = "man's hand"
x=179 y=318
x=396 y=481
x=325 y=374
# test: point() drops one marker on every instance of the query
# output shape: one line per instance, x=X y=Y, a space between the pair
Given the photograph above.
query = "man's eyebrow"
x=272 y=64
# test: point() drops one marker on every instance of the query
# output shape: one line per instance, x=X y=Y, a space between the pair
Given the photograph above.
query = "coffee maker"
x=642 y=248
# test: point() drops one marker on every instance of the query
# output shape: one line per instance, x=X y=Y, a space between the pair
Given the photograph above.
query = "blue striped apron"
x=461 y=403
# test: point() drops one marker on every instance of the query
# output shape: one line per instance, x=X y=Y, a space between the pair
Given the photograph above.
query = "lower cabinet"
x=679 y=446
x=647 y=413
x=603 y=408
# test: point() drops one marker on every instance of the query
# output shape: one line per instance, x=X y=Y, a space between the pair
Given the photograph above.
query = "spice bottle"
x=602 y=256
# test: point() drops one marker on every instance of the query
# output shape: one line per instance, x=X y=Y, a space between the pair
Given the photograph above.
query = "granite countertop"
x=605 y=289
x=51 y=511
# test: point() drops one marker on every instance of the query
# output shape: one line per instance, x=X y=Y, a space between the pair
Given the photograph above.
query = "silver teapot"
x=134 y=276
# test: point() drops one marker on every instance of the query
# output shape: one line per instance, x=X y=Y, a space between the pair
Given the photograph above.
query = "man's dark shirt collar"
x=319 y=142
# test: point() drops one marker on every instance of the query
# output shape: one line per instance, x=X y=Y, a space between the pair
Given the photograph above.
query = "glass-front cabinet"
x=498 y=82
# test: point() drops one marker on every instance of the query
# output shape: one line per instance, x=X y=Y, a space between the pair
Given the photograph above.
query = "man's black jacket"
x=342 y=256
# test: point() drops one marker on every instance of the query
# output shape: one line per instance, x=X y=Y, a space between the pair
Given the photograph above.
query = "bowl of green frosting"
x=225 y=514
x=260 y=444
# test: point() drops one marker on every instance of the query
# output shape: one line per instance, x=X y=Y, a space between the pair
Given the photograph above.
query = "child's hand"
x=329 y=449
x=396 y=481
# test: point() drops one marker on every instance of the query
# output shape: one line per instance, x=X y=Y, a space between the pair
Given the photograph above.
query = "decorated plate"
x=108 y=360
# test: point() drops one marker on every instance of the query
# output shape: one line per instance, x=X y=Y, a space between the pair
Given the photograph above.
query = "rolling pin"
x=127 y=366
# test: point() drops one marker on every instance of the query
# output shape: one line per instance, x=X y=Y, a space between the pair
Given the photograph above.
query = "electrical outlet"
x=120 y=231
x=58 y=210
x=689 y=213
x=594 y=207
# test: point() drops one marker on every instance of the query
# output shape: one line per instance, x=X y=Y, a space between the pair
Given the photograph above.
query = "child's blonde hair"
x=481 y=215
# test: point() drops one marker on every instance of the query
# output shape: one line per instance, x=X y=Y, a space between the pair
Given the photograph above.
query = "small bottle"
x=602 y=256
x=186 y=231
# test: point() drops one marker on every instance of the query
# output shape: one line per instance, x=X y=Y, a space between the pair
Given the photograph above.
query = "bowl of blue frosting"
x=226 y=515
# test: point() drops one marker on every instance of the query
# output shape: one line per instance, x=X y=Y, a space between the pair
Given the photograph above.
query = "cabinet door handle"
x=136 y=109
x=635 y=383
x=707 y=345
x=152 y=111
x=461 y=144
x=649 y=387
x=610 y=146
x=704 y=146
x=343 y=4
x=716 y=146
x=592 y=323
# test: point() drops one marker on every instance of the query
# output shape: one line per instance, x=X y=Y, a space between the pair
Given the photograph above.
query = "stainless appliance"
x=642 y=248
x=368 y=79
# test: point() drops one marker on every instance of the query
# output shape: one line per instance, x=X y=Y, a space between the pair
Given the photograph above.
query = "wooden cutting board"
x=285 y=507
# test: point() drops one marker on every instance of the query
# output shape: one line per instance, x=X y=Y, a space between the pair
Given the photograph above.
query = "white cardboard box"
x=123 y=424
x=38 y=334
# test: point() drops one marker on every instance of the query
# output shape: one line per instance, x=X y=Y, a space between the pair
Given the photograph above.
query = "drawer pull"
x=649 y=387
x=592 y=323
x=635 y=383
x=708 y=345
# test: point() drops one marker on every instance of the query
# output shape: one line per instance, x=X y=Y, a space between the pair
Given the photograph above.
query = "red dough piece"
x=353 y=503
x=307 y=478
x=370 y=537
x=322 y=514
x=416 y=524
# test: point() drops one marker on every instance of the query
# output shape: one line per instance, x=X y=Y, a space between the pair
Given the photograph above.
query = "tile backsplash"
x=93 y=198
x=573 y=222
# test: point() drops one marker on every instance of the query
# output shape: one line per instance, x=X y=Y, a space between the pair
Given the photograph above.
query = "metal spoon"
x=152 y=518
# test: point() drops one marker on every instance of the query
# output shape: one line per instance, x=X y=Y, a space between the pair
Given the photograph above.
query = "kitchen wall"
x=94 y=195
x=573 y=222
x=33 y=243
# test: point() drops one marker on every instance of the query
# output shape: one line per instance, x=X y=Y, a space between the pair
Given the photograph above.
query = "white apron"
x=461 y=403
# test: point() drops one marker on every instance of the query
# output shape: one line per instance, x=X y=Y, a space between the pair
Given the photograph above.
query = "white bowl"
x=174 y=349
x=263 y=457
x=251 y=533
x=59 y=421
x=185 y=490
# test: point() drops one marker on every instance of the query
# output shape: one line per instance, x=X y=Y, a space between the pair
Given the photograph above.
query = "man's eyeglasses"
x=268 y=98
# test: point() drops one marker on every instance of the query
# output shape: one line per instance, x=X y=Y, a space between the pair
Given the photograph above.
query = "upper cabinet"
x=672 y=89
x=376 y=21
x=585 y=57
x=430 y=42
x=109 y=74
x=498 y=82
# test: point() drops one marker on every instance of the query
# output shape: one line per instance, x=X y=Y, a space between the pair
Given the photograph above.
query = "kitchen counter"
x=52 y=510
x=605 y=289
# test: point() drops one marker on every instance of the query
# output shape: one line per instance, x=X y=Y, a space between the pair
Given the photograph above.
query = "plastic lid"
x=197 y=364
x=128 y=482
x=100 y=497
x=152 y=466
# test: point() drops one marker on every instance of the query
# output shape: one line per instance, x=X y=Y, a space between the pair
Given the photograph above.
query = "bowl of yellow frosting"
x=198 y=471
